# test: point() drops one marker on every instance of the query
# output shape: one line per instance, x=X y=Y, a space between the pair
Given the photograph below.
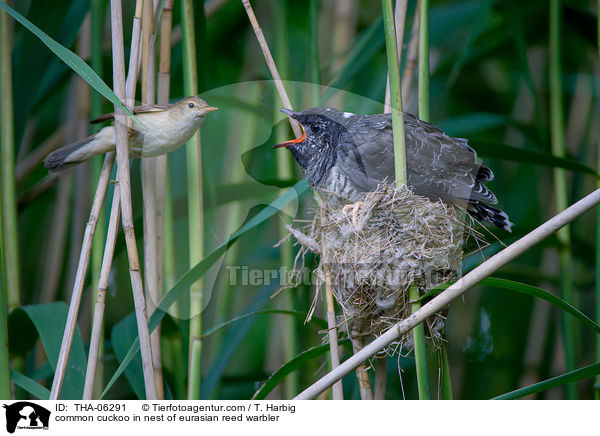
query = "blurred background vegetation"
x=490 y=83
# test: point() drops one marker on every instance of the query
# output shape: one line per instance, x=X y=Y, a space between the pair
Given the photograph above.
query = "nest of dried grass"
x=394 y=240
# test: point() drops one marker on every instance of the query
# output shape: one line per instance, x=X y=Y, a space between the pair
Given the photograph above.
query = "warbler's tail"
x=80 y=151
x=58 y=160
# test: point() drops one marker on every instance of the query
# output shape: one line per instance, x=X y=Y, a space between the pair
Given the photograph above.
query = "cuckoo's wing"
x=438 y=166
x=365 y=154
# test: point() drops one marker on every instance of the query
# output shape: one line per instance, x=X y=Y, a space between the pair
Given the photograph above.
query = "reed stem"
x=151 y=207
x=334 y=349
x=90 y=386
x=560 y=188
x=362 y=371
x=420 y=349
x=5 y=393
x=195 y=204
x=315 y=74
x=8 y=278
x=446 y=380
x=315 y=65
x=419 y=333
x=10 y=233
x=597 y=384
x=424 y=60
x=285 y=172
x=161 y=162
x=400 y=23
x=9 y=265
x=395 y=92
x=380 y=377
x=97 y=31
x=400 y=152
x=121 y=127
x=411 y=59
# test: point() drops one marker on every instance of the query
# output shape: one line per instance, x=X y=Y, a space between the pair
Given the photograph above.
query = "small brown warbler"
x=165 y=128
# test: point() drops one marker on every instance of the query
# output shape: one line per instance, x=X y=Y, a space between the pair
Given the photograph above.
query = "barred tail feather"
x=484 y=212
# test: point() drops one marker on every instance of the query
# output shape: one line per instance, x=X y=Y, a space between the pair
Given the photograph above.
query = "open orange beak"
x=292 y=141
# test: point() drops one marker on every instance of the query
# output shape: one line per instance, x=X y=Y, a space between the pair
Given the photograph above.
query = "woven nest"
x=375 y=252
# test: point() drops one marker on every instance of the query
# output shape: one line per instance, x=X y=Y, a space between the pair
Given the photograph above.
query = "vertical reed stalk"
x=285 y=172
x=362 y=371
x=411 y=59
x=421 y=28
x=6 y=136
x=424 y=60
x=161 y=161
x=195 y=207
x=420 y=349
x=334 y=349
x=91 y=225
x=597 y=384
x=342 y=33
x=560 y=188
x=9 y=227
x=278 y=83
x=164 y=69
x=151 y=208
x=170 y=276
x=9 y=241
x=419 y=331
x=5 y=393
x=380 y=377
x=84 y=257
x=394 y=24
x=99 y=306
x=400 y=21
x=121 y=127
x=395 y=92
x=446 y=380
x=97 y=12
x=315 y=67
x=399 y=149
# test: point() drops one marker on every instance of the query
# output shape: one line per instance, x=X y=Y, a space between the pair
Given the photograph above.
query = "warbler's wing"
x=136 y=110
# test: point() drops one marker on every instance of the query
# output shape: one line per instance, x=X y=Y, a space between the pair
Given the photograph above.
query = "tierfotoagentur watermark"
x=243 y=275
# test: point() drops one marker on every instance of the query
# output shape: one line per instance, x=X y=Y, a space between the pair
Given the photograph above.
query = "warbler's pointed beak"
x=292 y=141
x=210 y=109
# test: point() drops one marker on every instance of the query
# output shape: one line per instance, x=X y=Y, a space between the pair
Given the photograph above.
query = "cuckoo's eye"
x=191 y=105
x=316 y=128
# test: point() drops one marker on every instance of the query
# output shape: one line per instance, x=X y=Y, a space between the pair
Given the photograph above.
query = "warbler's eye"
x=316 y=128
x=191 y=105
